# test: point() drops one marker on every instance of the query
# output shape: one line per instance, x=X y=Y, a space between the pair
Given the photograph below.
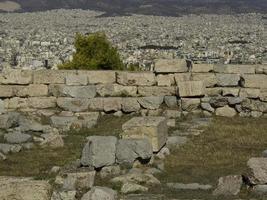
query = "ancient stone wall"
x=226 y=90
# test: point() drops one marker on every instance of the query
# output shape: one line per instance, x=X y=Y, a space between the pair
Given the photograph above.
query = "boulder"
x=100 y=193
x=157 y=91
x=170 y=66
x=12 y=188
x=208 y=79
x=151 y=103
x=116 y=90
x=191 y=89
x=128 y=150
x=226 y=111
x=254 y=81
x=17 y=138
x=112 y=104
x=202 y=68
x=259 y=169
x=128 y=188
x=79 y=180
x=75 y=79
x=8 y=148
x=165 y=80
x=249 y=93
x=228 y=185
x=136 y=78
x=99 y=151
x=16 y=77
x=153 y=128
x=190 y=104
x=73 y=104
x=226 y=80
x=130 y=105
x=171 y=101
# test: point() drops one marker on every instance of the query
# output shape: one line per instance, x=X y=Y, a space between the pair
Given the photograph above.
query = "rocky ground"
x=204 y=158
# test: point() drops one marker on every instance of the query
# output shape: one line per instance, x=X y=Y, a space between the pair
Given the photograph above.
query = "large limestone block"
x=12 y=188
x=105 y=90
x=16 y=103
x=151 y=103
x=189 y=104
x=146 y=91
x=217 y=91
x=259 y=169
x=254 y=80
x=226 y=111
x=165 y=80
x=96 y=104
x=249 y=92
x=112 y=104
x=153 y=128
x=73 y=104
x=17 y=77
x=228 y=185
x=33 y=90
x=261 y=69
x=170 y=66
x=75 y=79
x=100 y=193
x=99 y=151
x=88 y=119
x=2 y=107
x=99 y=77
x=63 y=122
x=9 y=90
x=136 y=78
x=51 y=76
x=227 y=80
x=181 y=77
x=130 y=105
x=42 y=102
x=60 y=90
x=263 y=94
x=202 y=68
x=191 y=88
x=234 y=69
x=230 y=91
x=254 y=105
x=209 y=79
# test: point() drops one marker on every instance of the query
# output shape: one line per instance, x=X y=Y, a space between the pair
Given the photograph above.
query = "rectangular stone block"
x=16 y=77
x=165 y=80
x=263 y=94
x=112 y=104
x=98 y=77
x=9 y=90
x=130 y=105
x=189 y=104
x=153 y=128
x=16 y=103
x=181 y=77
x=227 y=80
x=73 y=104
x=42 y=102
x=213 y=91
x=170 y=66
x=191 y=89
x=116 y=90
x=96 y=104
x=75 y=79
x=63 y=122
x=2 y=107
x=209 y=79
x=234 y=69
x=261 y=69
x=33 y=90
x=202 y=68
x=230 y=91
x=157 y=91
x=136 y=78
x=254 y=80
x=51 y=76
x=60 y=90
x=249 y=92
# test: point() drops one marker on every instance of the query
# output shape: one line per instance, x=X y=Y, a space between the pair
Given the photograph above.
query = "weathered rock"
x=218 y=102
x=256 y=114
x=174 y=142
x=50 y=76
x=259 y=169
x=207 y=107
x=64 y=195
x=130 y=105
x=235 y=100
x=151 y=103
x=99 y=151
x=96 y=104
x=12 y=188
x=172 y=114
x=230 y=91
x=112 y=104
x=135 y=78
x=17 y=138
x=213 y=92
x=74 y=79
x=189 y=186
x=115 y=90
x=202 y=68
x=33 y=90
x=191 y=88
x=164 y=151
x=128 y=188
x=209 y=79
x=234 y=69
x=226 y=111
x=153 y=128
x=170 y=66
x=260 y=189
x=190 y=104
x=17 y=77
x=9 y=90
x=249 y=92
x=42 y=102
x=99 y=77
x=88 y=119
x=228 y=185
x=100 y=193
x=181 y=77
x=171 y=101
x=8 y=148
x=227 y=79
x=156 y=91
x=165 y=80
x=79 y=180
x=63 y=122
x=9 y=120
x=73 y=104
x=128 y=150
x=254 y=81
x=110 y=171
x=52 y=139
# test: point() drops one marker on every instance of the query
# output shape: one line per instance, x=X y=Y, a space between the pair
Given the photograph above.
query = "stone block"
x=171 y=101
x=9 y=90
x=191 y=89
x=151 y=103
x=99 y=77
x=79 y=180
x=170 y=66
x=16 y=77
x=146 y=91
x=213 y=91
x=60 y=90
x=88 y=119
x=75 y=79
x=254 y=80
x=51 y=76
x=2 y=107
x=259 y=169
x=73 y=104
x=261 y=69
x=234 y=69
x=96 y=104
x=100 y=193
x=249 y=92
x=153 y=128
x=33 y=90
x=128 y=150
x=99 y=151
x=136 y=78
x=202 y=68
x=165 y=80
x=113 y=90
x=112 y=104
x=230 y=91
x=63 y=122
x=130 y=105
x=190 y=104
x=181 y=77
x=16 y=103
x=263 y=94
x=228 y=185
x=42 y=102
x=209 y=79
x=225 y=111
x=227 y=80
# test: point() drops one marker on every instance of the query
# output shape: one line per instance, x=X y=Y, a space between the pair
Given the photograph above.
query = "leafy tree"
x=94 y=52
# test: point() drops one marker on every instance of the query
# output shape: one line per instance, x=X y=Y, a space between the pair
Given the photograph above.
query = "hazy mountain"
x=156 y=7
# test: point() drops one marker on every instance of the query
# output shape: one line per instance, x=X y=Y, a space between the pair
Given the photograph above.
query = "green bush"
x=94 y=52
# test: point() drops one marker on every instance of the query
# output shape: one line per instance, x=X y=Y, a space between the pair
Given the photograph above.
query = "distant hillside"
x=156 y=7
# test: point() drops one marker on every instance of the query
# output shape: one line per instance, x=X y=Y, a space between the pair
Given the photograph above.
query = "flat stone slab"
x=153 y=128
x=189 y=186
x=259 y=169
